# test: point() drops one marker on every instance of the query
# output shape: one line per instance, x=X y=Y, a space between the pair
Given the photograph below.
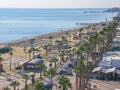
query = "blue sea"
x=24 y=23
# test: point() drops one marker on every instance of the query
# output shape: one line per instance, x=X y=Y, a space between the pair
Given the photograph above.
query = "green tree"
x=33 y=78
x=61 y=55
x=67 y=33
x=88 y=50
x=11 y=54
x=39 y=86
x=46 y=49
x=81 y=73
x=54 y=60
x=1 y=59
x=6 y=88
x=51 y=72
x=14 y=84
x=59 y=44
x=50 y=38
x=41 y=69
x=26 y=77
x=29 y=52
x=76 y=69
x=64 y=82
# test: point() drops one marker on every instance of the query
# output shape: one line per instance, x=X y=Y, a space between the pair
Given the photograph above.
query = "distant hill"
x=115 y=9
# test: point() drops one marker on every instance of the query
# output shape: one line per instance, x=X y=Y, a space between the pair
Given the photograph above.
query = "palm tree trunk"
x=55 y=65
x=40 y=74
x=87 y=68
x=33 y=80
x=14 y=87
x=63 y=88
x=26 y=84
x=76 y=83
x=10 y=63
x=80 y=82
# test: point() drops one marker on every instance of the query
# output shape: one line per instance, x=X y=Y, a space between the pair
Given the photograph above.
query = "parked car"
x=61 y=71
x=47 y=85
x=65 y=70
x=68 y=72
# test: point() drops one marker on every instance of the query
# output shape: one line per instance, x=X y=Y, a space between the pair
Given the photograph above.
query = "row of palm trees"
x=92 y=47
x=63 y=81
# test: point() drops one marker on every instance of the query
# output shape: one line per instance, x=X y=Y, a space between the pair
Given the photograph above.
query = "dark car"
x=61 y=71
x=47 y=85
x=68 y=72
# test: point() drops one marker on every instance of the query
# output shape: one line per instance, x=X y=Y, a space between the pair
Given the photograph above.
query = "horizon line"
x=55 y=8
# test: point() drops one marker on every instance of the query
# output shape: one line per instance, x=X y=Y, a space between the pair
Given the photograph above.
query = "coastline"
x=42 y=40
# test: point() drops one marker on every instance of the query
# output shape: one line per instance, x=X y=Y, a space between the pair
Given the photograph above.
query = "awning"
x=110 y=70
x=117 y=72
x=96 y=69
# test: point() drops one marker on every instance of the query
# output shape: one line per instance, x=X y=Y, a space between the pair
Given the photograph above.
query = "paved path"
x=105 y=85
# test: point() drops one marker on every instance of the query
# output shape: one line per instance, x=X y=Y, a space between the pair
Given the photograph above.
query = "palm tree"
x=61 y=55
x=46 y=48
x=29 y=51
x=81 y=29
x=82 y=70
x=1 y=59
x=41 y=68
x=33 y=78
x=39 y=86
x=67 y=33
x=54 y=60
x=50 y=38
x=68 y=53
x=33 y=50
x=24 y=49
x=63 y=39
x=76 y=75
x=6 y=88
x=64 y=82
x=14 y=84
x=51 y=72
x=11 y=54
x=87 y=48
x=59 y=44
x=93 y=40
x=26 y=77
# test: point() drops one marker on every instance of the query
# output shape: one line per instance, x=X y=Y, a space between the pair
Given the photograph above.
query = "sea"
x=19 y=23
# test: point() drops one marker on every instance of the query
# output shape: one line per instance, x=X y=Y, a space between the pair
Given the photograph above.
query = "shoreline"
x=42 y=40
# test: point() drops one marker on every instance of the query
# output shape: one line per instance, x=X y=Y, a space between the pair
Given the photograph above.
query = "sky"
x=59 y=3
